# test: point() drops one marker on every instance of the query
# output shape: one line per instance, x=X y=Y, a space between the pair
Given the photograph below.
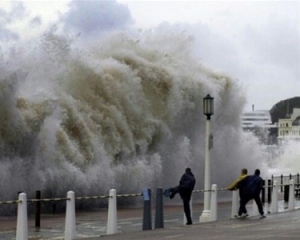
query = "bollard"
x=22 y=218
x=159 y=213
x=274 y=203
x=213 y=203
x=147 y=221
x=235 y=203
x=291 y=195
x=70 y=223
x=112 y=212
x=38 y=209
x=254 y=208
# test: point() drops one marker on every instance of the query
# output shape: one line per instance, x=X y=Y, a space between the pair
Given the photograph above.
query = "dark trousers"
x=259 y=204
x=243 y=202
x=245 y=199
x=186 y=197
x=187 y=210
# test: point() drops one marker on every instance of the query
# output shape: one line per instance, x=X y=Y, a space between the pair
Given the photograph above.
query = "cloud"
x=276 y=43
x=16 y=12
x=6 y=35
x=35 y=22
x=8 y=17
x=91 y=17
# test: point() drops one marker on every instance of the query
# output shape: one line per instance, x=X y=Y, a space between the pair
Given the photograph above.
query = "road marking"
x=172 y=220
x=137 y=224
x=175 y=236
x=124 y=223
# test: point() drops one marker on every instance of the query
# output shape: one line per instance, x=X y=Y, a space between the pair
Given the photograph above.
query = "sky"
x=255 y=42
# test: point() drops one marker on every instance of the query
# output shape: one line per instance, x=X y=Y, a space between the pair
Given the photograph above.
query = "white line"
x=175 y=236
x=172 y=220
x=136 y=224
x=121 y=223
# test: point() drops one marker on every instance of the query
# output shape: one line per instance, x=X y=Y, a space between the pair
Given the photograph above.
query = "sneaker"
x=262 y=216
x=237 y=216
x=244 y=215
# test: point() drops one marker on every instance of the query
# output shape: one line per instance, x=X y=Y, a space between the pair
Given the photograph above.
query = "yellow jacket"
x=236 y=182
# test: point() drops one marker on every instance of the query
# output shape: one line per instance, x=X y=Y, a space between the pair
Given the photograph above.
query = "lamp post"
x=208 y=110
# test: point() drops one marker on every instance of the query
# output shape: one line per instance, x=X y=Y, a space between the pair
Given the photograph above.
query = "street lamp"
x=208 y=110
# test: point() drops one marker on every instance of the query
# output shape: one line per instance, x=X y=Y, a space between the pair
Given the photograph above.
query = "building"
x=289 y=127
x=257 y=119
x=259 y=122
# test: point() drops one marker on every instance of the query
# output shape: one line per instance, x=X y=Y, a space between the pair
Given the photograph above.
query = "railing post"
x=112 y=212
x=70 y=224
x=274 y=203
x=22 y=218
x=147 y=220
x=235 y=203
x=286 y=192
x=159 y=213
x=213 y=203
x=263 y=192
x=292 y=195
x=38 y=209
x=269 y=190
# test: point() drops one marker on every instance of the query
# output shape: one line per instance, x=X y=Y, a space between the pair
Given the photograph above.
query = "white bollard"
x=112 y=213
x=22 y=218
x=254 y=208
x=235 y=203
x=191 y=208
x=292 y=195
x=274 y=200
x=70 y=223
x=214 y=203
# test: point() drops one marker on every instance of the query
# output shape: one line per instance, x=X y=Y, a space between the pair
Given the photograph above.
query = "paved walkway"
x=284 y=225
x=92 y=225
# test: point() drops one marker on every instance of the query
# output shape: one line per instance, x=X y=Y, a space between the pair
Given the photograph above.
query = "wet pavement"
x=92 y=225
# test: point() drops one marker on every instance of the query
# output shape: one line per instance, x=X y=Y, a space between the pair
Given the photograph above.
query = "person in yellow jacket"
x=240 y=183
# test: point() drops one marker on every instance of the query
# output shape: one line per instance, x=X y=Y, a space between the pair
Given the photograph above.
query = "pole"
x=38 y=209
x=159 y=210
x=205 y=217
x=147 y=219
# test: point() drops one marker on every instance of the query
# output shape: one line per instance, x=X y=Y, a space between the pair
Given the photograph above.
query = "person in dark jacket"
x=253 y=188
x=185 y=189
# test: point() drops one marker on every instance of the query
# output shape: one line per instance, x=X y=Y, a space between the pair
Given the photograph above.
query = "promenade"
x=283 y=225
x=92 y=225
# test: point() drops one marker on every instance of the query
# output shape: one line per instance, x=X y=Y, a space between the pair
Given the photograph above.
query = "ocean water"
x=124 y=112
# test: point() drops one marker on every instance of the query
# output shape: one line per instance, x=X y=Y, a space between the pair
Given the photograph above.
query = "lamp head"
x=208 y=106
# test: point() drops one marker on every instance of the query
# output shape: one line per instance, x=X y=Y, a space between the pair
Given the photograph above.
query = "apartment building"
x=289 y=127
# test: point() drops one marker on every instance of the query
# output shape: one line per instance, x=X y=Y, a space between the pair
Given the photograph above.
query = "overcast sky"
x=257 y=42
